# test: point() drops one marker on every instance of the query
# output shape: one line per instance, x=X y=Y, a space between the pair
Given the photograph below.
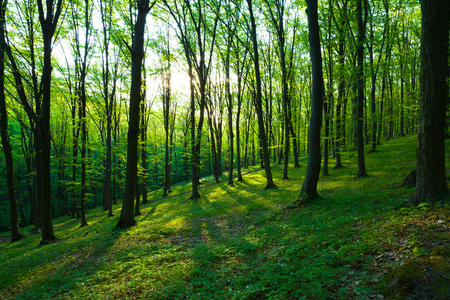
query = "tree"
x=360 y=88
x=374 y=69
x=309 y=188
x=341 y=91
x=278 y=22
x=241 y=69
x=48 y=21
x=81 y=64
x=106 y=8
x=192 y=19
x=166 y=97
x=258 y=100
x=6 y=144
x=431 y=180
x=126 y=218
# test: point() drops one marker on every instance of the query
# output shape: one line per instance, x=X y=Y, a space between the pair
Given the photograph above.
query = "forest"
x=128 y=174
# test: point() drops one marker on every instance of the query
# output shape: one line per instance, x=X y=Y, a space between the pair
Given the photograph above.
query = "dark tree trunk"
x=277 y=20
x=230 y=111
x=431 y=178
x=341 y=95
x=108 y=99
x=48 y=21
x=127 y=213
x=309 y=188
x=137 y=209
x=258 y=101
x=6 y=145
x=166 y=96
x=373 y=78
x=83 y=98
x=83 y=161
x=144 y=155
x=238 y=119
x=326 y=141
x=360 y=89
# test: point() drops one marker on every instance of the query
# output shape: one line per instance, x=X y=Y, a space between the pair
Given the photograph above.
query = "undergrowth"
x=240 y=242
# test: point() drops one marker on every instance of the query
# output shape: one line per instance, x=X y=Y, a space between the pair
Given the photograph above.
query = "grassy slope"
x=239 y=242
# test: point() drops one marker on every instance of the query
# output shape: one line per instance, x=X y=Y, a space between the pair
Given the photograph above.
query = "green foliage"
x=240 y=242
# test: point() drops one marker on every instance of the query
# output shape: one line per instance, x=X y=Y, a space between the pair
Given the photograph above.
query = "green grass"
x=240 y=242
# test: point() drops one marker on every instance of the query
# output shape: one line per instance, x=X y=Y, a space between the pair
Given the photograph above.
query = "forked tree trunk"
x=48 y=21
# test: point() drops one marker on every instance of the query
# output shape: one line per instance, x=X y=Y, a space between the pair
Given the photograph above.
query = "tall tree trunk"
x=127 y=213
x=258 y=101
x=144 y=155
x=83 y=158
x=341 y=95
x=238 y=131
x=6 y=145
x=106 y=17
x=360 y=88
x=431 y=180
x=48 y=21
x=309 y=188
x=230 y=109
x=166 y=96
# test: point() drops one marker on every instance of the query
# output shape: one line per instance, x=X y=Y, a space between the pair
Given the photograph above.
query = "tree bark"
x=309 y=188
x=48 y=25
x=6 y=145
x=258 y=101
x=360 y=88
x=341 y=92
x=431 y=180
x=126 y=218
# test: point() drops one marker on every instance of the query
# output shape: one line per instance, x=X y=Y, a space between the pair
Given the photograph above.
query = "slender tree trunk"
x=166 y=112
x=341 y=94
x=144 y=153
x=262 y=134
x=6 y=145
x=360 y=89
x=127 y=213
x=230 y=110
x=238 y=131
x=83 y=160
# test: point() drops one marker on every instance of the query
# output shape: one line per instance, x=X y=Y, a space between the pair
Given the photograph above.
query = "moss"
x=420 y=279
x=403 y=280
x=442 y=250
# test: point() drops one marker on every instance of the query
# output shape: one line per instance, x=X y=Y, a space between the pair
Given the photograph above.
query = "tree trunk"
x=230 y=110
x=341 y=95
x=144 y=154
x=431 y=180
x=309 y=188
x=258 y=101
x=6 y=145
x=127 y=213
x=360 y=89
x=48 y=26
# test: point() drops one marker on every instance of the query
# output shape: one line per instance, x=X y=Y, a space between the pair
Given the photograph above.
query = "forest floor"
x=361 y=240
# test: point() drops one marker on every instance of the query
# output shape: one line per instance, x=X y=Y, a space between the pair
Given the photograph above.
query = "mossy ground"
x=240 y=242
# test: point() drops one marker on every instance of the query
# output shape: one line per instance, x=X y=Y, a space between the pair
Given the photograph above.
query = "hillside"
x=361 y=240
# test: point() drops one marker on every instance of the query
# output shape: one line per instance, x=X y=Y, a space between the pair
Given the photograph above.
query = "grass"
x=240 y=242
